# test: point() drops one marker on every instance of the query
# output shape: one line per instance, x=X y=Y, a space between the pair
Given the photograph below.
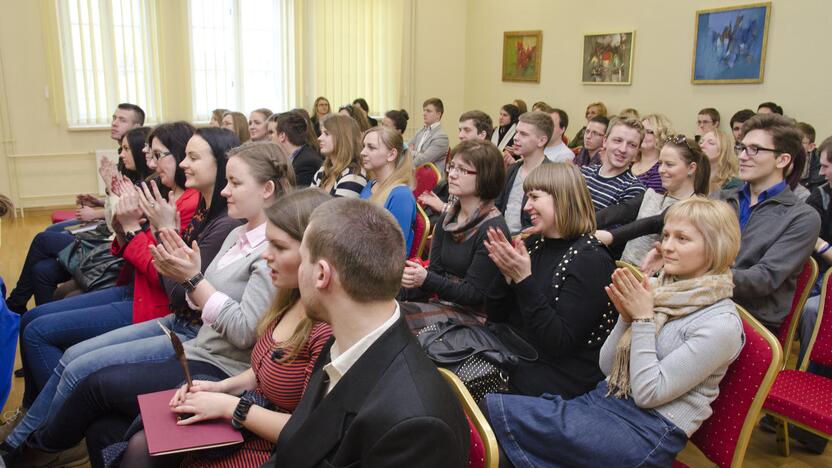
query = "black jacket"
x=391 y=408
x=306 y=163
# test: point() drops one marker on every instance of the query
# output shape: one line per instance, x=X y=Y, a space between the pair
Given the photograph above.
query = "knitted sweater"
x=678 y=371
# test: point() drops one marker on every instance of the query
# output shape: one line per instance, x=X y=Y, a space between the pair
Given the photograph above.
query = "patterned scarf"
x=462 y=232
x=672 y=299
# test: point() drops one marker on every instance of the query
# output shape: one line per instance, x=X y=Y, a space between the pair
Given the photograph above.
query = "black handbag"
x=99 y=269
x=482 y=356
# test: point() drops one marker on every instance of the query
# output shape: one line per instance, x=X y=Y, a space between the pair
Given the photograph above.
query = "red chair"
x=421 y=230
x=483 y=451
x=723 y=437
x=62 y=215
x=801 y=398
x=805 y=282
x=427 y=177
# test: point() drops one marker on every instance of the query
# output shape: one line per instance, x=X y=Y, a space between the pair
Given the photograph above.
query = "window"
x=242 y=55
x=106 y=57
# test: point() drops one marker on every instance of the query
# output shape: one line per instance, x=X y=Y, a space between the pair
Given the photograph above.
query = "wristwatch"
x=190 y=284
x=129 y=235
x=241 y=411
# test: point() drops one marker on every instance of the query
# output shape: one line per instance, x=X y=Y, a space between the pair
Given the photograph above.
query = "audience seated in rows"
x=341 y=173
x=671 y=346
x=390 y=169
x=550 y=288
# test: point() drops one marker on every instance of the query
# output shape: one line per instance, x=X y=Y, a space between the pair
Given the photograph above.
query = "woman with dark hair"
x=503 y=136
x=41 y=273
x=396 y=119
x=341 y=174
x=320 y=109
x=685 y=171
x=227 y=298
x=274 y=384
x=86 y=327
x=460 y=272
x=550 y=289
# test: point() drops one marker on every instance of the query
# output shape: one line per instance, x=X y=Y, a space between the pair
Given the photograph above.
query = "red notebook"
x=165 y=436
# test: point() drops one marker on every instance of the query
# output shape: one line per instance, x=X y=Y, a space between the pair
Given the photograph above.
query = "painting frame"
x=509 y=63
x=698 y=63
x=586 y=58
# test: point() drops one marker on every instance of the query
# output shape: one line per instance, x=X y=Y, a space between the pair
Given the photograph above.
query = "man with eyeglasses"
x=707 y=120
x=590 y=153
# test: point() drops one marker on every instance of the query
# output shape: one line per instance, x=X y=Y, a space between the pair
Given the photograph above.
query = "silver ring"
x=152 y=205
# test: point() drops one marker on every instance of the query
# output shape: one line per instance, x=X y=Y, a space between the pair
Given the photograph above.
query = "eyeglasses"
x=752 y=150
x=463 y=172
x=704 y=122
x=593 y=133
x=157 y=155
x=677 y=139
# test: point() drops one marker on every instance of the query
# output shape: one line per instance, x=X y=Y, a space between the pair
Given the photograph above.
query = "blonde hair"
x=602 y=109
x=727 y=165
x=240 y=125
x=402 y=172
x=574 y=211
x=662 y=128
x=629 y=113
x=346 y=149
x=718 y=224
x=291 y=216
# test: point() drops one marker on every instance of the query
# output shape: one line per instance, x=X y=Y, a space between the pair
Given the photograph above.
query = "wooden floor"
x=15 y=235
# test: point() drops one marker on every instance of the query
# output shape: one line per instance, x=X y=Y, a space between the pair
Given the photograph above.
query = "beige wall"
x=795 y=77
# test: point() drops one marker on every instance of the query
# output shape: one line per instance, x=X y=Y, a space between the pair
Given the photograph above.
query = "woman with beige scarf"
x=671 y=346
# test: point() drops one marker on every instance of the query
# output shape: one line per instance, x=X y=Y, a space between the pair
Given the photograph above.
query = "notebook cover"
x=165 y=436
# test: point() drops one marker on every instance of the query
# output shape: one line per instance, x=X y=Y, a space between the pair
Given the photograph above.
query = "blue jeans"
x=139 y=343
x=590 y=430
x=41 y=272
x=60 y=227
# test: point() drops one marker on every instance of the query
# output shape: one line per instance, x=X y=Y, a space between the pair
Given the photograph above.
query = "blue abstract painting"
x=731 y=44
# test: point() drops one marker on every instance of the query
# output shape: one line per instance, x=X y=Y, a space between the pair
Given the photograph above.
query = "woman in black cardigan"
x=460 y=271
x=551 y=288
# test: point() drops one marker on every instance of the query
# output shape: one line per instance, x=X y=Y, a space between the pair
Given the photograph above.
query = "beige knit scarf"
x=672 y=299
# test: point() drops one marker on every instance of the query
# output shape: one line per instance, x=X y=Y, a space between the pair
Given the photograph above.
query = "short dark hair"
x=807 y=130
x=512 y=111
x=174 y=136
x=787 y=139
x=482 y=121
x=488 y=163
x=435 y=102
x=369 y=270
x=741 y=116
x=564 y=117
x=362 y=103
x=294 y=126
x=771 y=105
x=542 y=122
x=712 y=113
x=601 y=119
x=399 y=118
x=136 y=110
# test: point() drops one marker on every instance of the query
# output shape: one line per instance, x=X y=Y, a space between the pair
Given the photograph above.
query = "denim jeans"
x=41 y=272
x=590 y=430
x=60 y=227
x=139 y=343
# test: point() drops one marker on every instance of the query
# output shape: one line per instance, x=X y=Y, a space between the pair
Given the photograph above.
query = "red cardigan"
x=150 y=300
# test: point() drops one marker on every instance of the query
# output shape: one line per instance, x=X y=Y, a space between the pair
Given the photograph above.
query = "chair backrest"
x=723 y=437
x=805 y=282
x=819 y=349
x=483 y=452
x=631 y=267
x=421 y=230
x=427 y=177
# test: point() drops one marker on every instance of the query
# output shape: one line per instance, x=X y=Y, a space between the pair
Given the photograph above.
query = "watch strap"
x=241 y=411
x=190 y=284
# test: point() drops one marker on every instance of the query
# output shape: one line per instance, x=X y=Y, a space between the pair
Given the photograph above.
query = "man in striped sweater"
x=612 y=182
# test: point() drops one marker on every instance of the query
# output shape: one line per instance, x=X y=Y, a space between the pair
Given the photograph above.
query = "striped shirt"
x=349 y=184
x=652 y=179
x=608 y=191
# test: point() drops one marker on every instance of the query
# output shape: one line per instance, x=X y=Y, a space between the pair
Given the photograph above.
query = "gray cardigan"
x=778 y=238
x=227 y=342
x=677 y=373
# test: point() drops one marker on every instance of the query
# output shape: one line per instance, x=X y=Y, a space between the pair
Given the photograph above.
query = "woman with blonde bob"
x=673 y=342
x=551 y=288
x=719 y=147
x=341 y=174
x=390 y=168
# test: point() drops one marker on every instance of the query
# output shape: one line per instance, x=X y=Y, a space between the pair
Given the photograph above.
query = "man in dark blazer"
x=374 y=398
x=292 y=134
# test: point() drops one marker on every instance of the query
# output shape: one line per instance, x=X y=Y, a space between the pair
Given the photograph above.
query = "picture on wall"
x=521 y=55
x=730 y=44
x=608 y=58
